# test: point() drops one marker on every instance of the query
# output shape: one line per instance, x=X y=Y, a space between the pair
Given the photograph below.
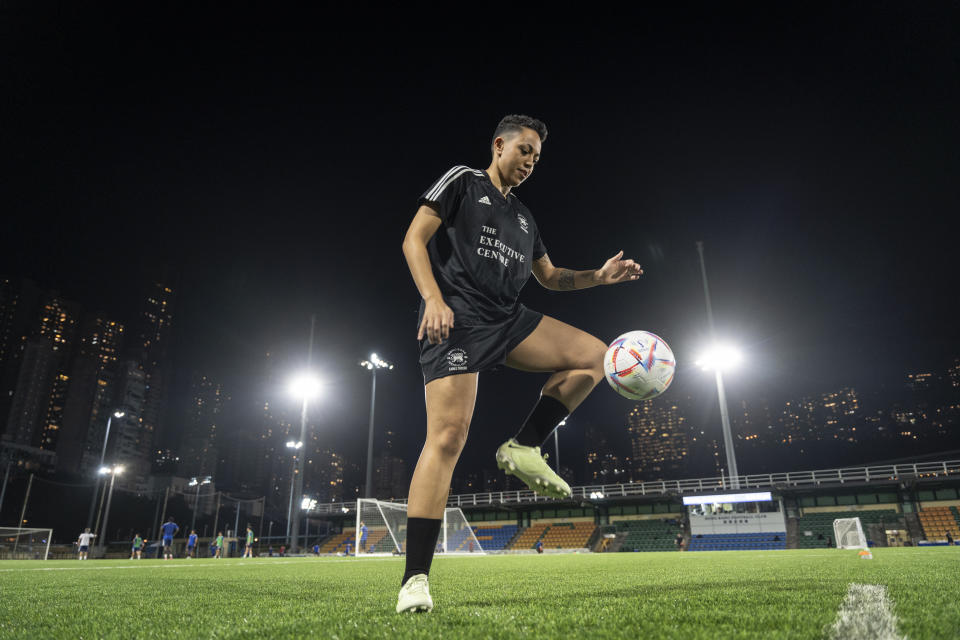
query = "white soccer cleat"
x=531 y=467
x=415 y=595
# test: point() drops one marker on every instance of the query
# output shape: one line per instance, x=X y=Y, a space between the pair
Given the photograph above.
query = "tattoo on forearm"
x=566 y=279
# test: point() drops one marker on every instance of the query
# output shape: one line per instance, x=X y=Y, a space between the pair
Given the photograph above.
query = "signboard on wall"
x=738 y=523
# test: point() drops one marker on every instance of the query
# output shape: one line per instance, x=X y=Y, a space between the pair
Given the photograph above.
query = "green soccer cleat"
x=415 y=595
x=527 y=464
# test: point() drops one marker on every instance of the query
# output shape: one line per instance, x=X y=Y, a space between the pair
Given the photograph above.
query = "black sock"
x=422 y=534
x=546 y=415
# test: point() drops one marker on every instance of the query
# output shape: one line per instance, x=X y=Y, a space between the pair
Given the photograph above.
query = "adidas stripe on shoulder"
x=448 y=179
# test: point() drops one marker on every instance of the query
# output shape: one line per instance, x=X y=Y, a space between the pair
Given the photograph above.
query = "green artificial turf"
x=728 y=594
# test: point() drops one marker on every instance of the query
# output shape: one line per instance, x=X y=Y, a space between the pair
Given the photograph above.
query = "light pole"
x=198 y=482
x=556 y=442
x=305 y=386
x=293 y=472
x=718 y=358
x=306 y=505
x=103 y=453
x=373 y=364
x=113 y=471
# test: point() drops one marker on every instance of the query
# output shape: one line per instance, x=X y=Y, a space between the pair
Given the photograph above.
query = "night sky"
x=272 y=165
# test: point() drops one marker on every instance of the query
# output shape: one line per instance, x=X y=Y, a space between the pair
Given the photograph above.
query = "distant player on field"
x=83 y=543
x=191 y=543
x=471 y=247
x=363 y=537
x=248 y=550
x=137 y=549
x=219 y=544
x=169 y=529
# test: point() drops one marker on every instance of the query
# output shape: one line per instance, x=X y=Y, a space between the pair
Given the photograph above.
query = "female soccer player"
x=470 y=248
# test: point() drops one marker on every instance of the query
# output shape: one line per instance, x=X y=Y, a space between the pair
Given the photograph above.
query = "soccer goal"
x=19 y=543
x=849 y=534
x=386 y=530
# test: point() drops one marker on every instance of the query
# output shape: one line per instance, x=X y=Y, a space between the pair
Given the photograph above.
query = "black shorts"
x=477 y=348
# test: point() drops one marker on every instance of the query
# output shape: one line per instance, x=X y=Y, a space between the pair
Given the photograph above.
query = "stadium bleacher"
x=337 y=543
x=567 y=535
x=555 y=535
x=495 y=537
x=820 y=525
x=527 y=538
x=938 y=521
x=647 y=535
x=739 y=541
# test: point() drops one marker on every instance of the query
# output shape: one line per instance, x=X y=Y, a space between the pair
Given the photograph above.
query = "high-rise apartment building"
x=199 y=452
x=152 y=349
x=35 y=416
x=89 y=401
x=131 y=437
x=658 y=439
x=390 y=478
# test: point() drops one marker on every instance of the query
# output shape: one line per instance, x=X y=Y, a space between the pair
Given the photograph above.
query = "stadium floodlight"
x=720 y=357
x=596 y=495
x=308 y=504
x=372 y=365
x=716 y=357
x=294 y=445
x=305 y=385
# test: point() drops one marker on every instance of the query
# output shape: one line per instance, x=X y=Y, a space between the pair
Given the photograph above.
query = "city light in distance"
x=294 y=445
x=119 y=414
x=724 y=357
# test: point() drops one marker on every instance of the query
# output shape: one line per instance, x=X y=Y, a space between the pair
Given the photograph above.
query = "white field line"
x=867 y=614
x=173 y=564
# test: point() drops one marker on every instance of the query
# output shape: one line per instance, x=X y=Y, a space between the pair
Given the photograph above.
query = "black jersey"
x=482 y=253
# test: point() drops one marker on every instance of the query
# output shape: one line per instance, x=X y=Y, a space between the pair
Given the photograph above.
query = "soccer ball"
x=639 y=365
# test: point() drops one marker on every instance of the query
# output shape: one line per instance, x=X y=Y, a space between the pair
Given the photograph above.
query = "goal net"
x=382 y=530
x=849 y=534
x=19 y=543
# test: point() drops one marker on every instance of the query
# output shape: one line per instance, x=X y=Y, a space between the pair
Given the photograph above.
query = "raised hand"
x=617 y=270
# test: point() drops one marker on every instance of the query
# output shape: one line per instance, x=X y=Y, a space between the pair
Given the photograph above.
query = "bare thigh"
x=557 y=346
x=450 y=402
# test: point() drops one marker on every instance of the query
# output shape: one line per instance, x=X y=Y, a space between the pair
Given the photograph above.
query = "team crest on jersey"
x=523 y=223
x=457 y=359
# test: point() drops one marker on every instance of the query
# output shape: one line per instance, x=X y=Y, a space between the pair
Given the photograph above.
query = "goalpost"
x=849 y=534
x=386 y=524
x=21 y=543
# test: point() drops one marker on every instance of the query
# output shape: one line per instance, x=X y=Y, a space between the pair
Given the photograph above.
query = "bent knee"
x=449 y=438
x=593 y=356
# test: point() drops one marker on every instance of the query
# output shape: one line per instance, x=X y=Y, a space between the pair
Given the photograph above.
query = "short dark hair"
x=516 y=122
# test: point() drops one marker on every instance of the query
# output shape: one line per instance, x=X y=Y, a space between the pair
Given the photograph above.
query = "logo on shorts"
x=457 y=359
x=523 y=223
